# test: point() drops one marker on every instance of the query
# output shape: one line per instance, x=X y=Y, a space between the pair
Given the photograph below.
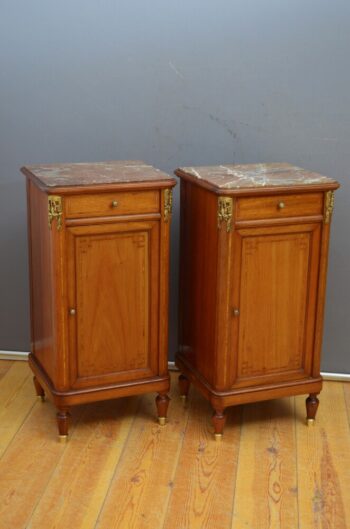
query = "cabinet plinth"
x=253 y=261
x=99 y=261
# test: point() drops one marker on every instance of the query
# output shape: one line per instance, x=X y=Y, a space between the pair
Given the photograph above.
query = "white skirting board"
x=13 y=355
x=22 y=355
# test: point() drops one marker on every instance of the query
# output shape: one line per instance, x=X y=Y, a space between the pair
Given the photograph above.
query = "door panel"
x=273 y=335
x=114 y=289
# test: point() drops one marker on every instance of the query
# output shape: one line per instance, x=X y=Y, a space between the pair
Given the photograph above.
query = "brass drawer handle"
x=72 y=312
x=114 y=203
x=235 y=312
x=281 y=205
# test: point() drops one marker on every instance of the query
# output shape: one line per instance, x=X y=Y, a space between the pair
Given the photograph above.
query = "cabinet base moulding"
x=249 y=394
x=157 y=384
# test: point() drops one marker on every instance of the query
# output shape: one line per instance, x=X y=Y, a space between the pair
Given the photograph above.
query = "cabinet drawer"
x=279 y=206
x=107 y=204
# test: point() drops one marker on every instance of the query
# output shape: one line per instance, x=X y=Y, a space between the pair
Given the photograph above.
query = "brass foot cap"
x=310 y=422
x=41 y=398
x=162 y=421
x=217 y=436
x=63 y=438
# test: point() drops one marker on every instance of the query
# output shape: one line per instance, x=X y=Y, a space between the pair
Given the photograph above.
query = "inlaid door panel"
x=113 y=289
x=273 y=330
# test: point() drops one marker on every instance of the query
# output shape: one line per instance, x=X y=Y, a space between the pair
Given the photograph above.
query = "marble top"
x=80 y=174
x=254 y=175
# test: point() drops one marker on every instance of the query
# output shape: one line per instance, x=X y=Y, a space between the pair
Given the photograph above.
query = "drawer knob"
x=114 y=203
x=235 y=312
x=72 y=312
x=281 y=205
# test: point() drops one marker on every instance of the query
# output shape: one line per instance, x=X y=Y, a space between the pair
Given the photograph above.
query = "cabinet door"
x=113 y=277
x=274 y=297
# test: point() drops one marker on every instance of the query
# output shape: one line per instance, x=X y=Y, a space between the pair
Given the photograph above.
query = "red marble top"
x=254 y=175
x=86 y=174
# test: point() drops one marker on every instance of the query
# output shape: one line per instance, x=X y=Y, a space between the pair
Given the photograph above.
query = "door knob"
x=235 y=312
x=72 y=312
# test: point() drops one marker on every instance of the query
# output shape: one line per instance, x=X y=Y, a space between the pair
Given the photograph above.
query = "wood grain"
x=27 y=465
x=99 y=289
x=278 y=286
x=17 y=397
x=41 y=264
x=198 y=280
x=270 y=207
x=266 y=490
x=346 y=388
x=120 y=469
x=206 y=473
x=76 y=491
x=113 y=286
x=252 y=288
x=144 y=479
x=163 y=279
x=323 y=453
x=5 y=366
x=132 y=202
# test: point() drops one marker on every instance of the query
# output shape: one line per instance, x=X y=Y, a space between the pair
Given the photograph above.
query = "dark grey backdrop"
x=173 y=83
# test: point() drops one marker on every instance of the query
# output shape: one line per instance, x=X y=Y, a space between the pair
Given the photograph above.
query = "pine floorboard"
x=120 y=470
x=5 y=366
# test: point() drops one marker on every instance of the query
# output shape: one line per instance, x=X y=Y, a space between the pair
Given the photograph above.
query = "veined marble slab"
x=80 y=174
x=255 y=175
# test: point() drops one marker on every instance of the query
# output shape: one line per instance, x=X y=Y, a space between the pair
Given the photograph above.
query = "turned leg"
x=184 y=385
x=162 y=402
x=312 y=403
x=219 y=420
x=38 y=389
x=63 y=417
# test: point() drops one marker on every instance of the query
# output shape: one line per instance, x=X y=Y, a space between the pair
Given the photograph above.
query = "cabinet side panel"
x=198 y=277
x=40 y=256
x=164 y=255
x=321 y=297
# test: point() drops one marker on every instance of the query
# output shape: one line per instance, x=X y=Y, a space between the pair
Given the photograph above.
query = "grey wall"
x=173 y=83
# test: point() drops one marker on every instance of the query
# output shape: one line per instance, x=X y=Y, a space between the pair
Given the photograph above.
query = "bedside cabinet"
x=253 y=264
x=99 y=264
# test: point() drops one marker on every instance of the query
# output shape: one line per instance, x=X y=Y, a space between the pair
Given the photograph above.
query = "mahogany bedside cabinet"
x=253 y=264
x=99 y=260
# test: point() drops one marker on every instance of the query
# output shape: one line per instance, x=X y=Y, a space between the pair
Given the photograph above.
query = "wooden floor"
x=121 y=470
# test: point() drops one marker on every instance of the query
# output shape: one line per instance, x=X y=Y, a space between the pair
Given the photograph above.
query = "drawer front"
x=279 y=206
x=107 y=204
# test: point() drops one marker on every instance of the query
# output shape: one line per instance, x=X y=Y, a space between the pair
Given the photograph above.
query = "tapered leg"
x=162 y=402
x=312 y=403
x=219 y=420
x=184 y=385
x=63 y=417
x=38 y=389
